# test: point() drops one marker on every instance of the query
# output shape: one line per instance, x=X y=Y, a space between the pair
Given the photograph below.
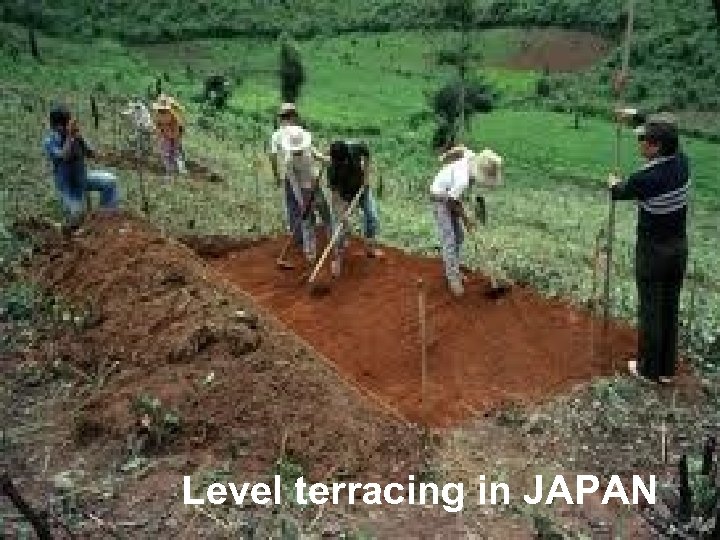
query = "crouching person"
x=304 y=179
x=348 y=174
x=446 y=192
x=67 y=149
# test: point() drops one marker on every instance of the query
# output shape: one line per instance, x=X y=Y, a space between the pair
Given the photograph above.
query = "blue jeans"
x=292 y=213
x=73 y=197
x=369 y=211
x=452 y=235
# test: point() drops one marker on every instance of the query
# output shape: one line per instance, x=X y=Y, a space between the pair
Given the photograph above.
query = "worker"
x=66 y=149
x=348 y=173
x=287 y=117
x=303 y=176
x=446 y=192
x=169 y=130
x=661 y=189
x=140 y=125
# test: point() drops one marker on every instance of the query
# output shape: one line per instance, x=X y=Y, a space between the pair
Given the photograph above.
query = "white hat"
x=484 y=162
x=296 y=139
x=287 y=108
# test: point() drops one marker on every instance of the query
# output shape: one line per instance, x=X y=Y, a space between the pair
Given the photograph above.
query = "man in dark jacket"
x=348 y=174
x=661 y=189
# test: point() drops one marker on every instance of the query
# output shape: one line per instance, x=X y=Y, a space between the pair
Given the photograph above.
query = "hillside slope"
x=675 y=56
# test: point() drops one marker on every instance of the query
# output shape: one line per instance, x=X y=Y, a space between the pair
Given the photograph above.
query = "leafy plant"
x=158 y=422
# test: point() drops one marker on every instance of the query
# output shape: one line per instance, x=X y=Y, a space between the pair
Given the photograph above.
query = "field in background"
x=156 y=328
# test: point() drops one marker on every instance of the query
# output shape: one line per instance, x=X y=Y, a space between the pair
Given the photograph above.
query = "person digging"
x=446 y=192
x=661 y=188
x=461 y=168
x=66 y=149
x=303 y=176
x=348 y=174
x=486 y=167
x=287 y=119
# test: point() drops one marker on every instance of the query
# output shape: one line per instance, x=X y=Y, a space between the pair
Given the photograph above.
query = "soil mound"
x=157 y=325
x=482 y=353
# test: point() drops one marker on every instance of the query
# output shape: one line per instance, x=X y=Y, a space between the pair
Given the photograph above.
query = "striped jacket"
x=662 y=191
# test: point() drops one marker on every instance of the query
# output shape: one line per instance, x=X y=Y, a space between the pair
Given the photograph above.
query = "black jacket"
x=662 y=191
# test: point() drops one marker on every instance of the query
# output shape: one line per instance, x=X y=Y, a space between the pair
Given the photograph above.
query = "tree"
x=292 y=73
x=457 y=102
x=33 y=44
x=459 y=14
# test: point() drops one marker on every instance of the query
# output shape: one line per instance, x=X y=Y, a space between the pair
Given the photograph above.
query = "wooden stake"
x=423 y=344
x=663 y=442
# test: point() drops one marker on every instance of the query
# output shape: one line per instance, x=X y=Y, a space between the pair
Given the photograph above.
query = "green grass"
x=542 y=227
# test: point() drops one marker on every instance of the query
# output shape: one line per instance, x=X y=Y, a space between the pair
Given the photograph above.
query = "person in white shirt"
x=451 y=182
x=288 y=118
x=461 y=168
x=303 y=178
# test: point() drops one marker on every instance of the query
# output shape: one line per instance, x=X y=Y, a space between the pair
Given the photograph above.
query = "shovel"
x=498 y=289
x=315 y=289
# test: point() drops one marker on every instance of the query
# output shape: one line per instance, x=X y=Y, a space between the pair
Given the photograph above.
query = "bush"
x=292 y=73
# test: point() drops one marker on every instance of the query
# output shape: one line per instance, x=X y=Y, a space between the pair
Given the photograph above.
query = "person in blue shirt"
x=661 y=189
x=67 y=149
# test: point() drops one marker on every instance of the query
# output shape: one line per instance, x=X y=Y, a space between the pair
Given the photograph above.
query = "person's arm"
x=319 y=156
x=630 y=189
x=88 y=149
x=458 y=208
x=56 y=149
x=273 y=156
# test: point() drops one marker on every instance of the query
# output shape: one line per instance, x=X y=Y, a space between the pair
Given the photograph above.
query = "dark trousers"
x=660 y=270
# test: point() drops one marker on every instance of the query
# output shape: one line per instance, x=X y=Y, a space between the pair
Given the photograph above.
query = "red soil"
x=558 y=50
x=482 y=353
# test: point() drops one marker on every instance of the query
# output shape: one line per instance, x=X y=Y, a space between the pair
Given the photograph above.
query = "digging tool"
x=618 y=133
x=281 y=261
x=333 y=241
x=497 y=289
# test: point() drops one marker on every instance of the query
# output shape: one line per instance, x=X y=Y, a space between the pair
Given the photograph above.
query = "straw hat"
x=486 y=166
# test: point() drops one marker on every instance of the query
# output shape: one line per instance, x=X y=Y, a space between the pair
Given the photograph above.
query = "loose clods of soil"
x=225 y=377
x=482 y=352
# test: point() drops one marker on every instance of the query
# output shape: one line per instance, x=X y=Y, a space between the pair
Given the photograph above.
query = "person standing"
x=287 y=117
x=446 y=192
x=169 y=131
x=661 y=189
x=303 y=175
x=348 y=173
x=66 y=149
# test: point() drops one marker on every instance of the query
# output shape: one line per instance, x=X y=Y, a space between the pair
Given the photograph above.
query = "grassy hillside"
x=543 y=225
x=675 y=54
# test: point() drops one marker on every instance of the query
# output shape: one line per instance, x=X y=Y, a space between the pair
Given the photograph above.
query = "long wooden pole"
x=422 y=317
x=618 y=139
